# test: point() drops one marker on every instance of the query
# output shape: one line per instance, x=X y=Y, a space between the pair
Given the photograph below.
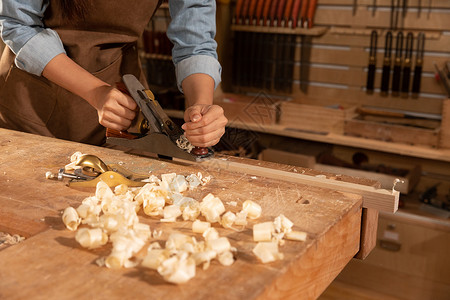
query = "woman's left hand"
x=205 y=124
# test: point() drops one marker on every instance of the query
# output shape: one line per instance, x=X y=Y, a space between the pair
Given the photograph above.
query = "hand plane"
x=157 y=132
x=88 y=170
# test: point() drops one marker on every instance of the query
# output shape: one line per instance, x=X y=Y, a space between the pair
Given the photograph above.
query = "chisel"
x=372 y=62
x=303 y=12
x=311 y=12
x=293 y=23
x=419 y=8
x=406 y=78
x=418 y=66
x=260 y=37
x=396 y=76
x=288 y=50
x=387 y=61
x=281 y=44
x=374 y=7
x=295 y=14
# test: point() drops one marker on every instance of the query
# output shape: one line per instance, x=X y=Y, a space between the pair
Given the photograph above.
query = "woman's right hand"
x=115 y=109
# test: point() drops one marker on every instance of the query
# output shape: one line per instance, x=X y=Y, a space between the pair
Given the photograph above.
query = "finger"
x=119 y=110
x=194 y=114
x=214 y=114
x=112 y=125
x=204 y=130
x=206 y=139
x=111 y=118
x=124 y=112
x=124 y=100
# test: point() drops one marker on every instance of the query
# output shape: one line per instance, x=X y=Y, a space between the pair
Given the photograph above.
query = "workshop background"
x=354 y=87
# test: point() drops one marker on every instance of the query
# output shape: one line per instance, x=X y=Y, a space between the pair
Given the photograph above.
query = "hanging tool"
x=158 y=133
x=355 y=7
x=419 y=8
x=271 y=47
x=259 y=45
x=281 y=45
x=294 y=19
x=239 y=38
x=267 y=46
x=289 y=50
x=253 y=48
x=374 y=7
x=418 y=66
x=311 y=12
x=306 y=41
x=396 y=76
x=429 y=8
x=245 y=50
x=404 y=11
x=395 y=7
x=372 y=62
x=387 y=62
x=406 y=77
x=293 y=23
x=303 y=13
x=441 y=77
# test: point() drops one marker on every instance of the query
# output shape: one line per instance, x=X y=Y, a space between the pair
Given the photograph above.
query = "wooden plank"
x=386 y=181
x=283 y=157
x=380 y=199
x=392 y=133
x=313 y=117
x=51 y=264
x=369 y=225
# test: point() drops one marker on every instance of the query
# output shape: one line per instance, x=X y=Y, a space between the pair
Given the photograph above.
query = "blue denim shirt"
x=192 y=30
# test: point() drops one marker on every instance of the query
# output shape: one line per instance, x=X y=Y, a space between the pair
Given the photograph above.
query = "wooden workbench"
x=50 y=264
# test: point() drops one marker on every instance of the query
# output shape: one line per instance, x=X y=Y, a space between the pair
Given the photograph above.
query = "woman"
x=63 y=58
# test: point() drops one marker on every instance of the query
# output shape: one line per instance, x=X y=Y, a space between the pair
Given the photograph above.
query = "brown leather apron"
x=105 y=44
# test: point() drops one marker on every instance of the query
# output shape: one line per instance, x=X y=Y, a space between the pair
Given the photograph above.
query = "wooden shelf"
x=315 y=31
x=388 y=147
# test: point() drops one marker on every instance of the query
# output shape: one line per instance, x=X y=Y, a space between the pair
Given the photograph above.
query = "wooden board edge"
x=369 y=226
x=379 y=199
x=328 y=256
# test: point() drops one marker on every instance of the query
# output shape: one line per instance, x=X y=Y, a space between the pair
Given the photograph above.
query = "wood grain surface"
x=50 y=264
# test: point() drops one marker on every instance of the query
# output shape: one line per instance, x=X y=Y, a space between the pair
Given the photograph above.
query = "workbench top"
x=50 y=264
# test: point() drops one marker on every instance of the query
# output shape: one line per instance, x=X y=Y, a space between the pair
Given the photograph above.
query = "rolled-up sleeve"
x=192 y=31
x=24 y=33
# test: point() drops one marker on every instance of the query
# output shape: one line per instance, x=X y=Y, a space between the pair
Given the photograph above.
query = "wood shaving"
x=7 y=239
x=183 y=143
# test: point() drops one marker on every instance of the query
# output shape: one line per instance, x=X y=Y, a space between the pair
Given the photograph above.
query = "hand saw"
x=158 y=133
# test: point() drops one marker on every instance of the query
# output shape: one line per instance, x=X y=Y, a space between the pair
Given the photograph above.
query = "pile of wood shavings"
x=111 y=216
